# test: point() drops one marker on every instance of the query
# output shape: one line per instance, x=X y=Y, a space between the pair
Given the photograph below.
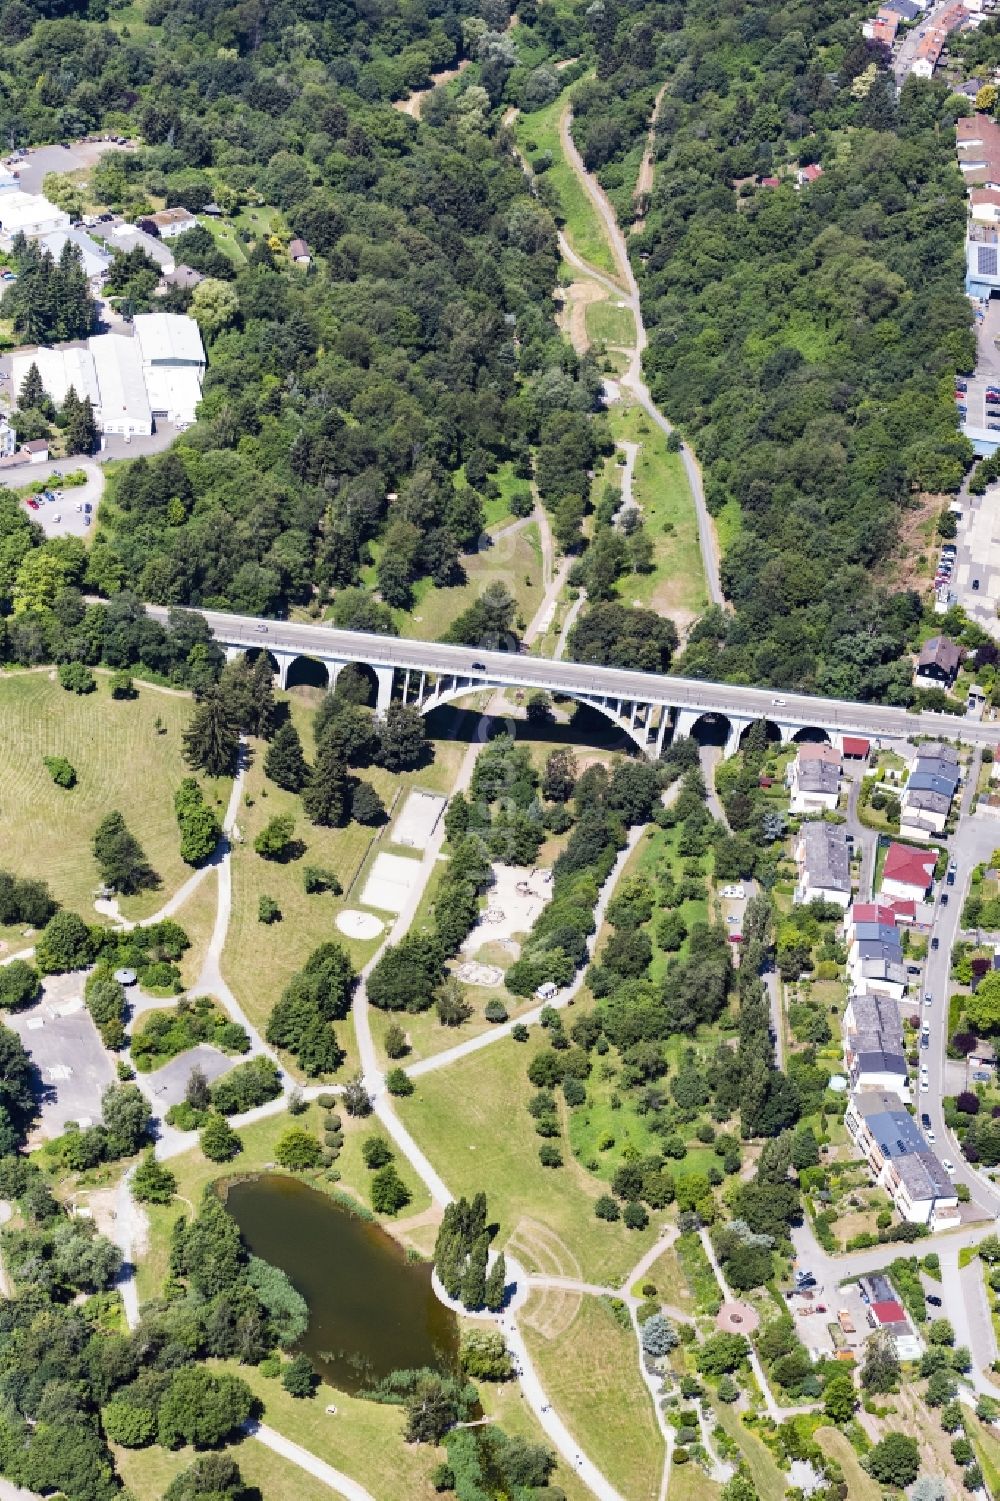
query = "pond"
x=370 y=1310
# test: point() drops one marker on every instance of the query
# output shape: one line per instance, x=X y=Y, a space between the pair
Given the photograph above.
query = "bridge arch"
x=811 y=735
x=644 y=724
x=252 y=653
x=307 y=672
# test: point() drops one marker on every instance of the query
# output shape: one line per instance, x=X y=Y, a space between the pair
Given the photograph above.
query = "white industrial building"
x=131 y=380
x=29 y=214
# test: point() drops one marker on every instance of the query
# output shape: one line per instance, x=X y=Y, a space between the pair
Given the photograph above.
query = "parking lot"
x=66 y=515
x=166 y=1086
x=32 y=167
x=64 y=1044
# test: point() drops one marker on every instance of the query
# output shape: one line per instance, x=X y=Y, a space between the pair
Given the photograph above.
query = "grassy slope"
x=860 y=1485
x=768 y=1479
x=148 y=1472
x=540 y=132
x=590 y=1373
x=610 y=324
x=258 y=959
x=121 y=763
x=194 y=1172
x=471 y=1119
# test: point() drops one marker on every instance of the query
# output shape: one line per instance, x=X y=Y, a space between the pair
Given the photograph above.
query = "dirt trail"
x=644 y=182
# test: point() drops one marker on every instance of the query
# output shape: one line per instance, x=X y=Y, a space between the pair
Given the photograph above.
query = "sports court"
x=390 y=881
x=416 y=823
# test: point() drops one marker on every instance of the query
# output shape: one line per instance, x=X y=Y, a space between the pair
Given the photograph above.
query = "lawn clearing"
x=197 y=917
x=121 y=763
x=590 y=1373
x=260 y=958
x=194 y=1172
x=363 y=1439
x=471 y=1119
x=611 y=323
x=515 y=559
x=669 y=1280
x=676 y=584
x=539 y=132
x=148 y=1472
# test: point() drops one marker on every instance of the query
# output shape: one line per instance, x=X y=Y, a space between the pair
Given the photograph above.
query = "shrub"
x=635 y=1216
x=268 y=910
x=60 y=770
x=606 y=1208
x=495 y=1011
x=549 y=1155
x=376 y=1152
x=317 y=878
x=76 y=678
x=298 y=1377
x=389 y=1192
x=19 y=982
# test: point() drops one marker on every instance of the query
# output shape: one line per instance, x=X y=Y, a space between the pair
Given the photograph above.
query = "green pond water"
x=370 y=1310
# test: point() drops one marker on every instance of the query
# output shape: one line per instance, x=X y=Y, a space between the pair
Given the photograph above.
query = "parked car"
x=981 y=1075
x=935 y=943
x=932 y=1299
x=948 y=1166
x=928 y=998
x=944 y=898
x=925 y=1120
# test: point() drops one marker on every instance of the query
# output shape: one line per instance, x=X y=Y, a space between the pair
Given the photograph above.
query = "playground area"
x=415 y=825
x=515 y=900
x=472 y=973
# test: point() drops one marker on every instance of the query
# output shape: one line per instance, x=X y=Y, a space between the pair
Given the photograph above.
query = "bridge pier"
x=385 y=676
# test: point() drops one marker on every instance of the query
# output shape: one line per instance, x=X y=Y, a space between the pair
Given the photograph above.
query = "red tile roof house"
x=855 y=748
x=978 y=139
x=908 y=873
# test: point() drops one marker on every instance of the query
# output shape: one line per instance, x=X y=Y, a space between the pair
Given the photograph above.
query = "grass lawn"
x=148 y=1472
x=505 y=1404
x=860 y=1485
x=669 y=1280
x=768 y=1479
x=194 y=1172
x=197 y=917
x=676 y=584
x=259 y=959
x=515 y=560
x=987 y=1446
x=590 y=1373
x=472 y=1121
x=364 y=1439
x=121 y=763
x=539 y=132
x=225 y=238
x=690 y=1483
x=497 y=512
x=610 y=324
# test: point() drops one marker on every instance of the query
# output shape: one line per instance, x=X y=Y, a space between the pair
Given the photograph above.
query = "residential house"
x=8 y=439
x=984 y=205
x=875 y=957
x=900 y=1160
x=908 y=873
x=299 y=252
x=881 y=27
x=184 y=277
x=930 y=788
x=37 y=450
x=824 y=868
x=906 y=10
x=938 y=663
x=814 y=778
x=935 y=38
x=978 y=144
x=874 y=1054
x=807 y=175
x=168 y=223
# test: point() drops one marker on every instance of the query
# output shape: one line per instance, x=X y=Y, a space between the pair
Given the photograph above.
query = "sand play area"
x=355 y=924
x=513 y=904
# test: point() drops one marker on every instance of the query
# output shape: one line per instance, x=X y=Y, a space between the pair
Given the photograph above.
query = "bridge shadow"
x=586 y=728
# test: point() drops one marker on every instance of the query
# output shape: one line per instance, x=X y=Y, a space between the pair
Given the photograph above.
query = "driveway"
x=166 y=1086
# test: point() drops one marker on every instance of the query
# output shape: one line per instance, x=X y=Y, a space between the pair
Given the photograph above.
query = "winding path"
x=633 y=380
x=335 y=1479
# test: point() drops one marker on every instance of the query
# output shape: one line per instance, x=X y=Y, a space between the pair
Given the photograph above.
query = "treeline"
x=803 y=340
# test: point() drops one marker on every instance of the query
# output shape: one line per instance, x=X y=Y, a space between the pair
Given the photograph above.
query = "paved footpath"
x=335 y=1479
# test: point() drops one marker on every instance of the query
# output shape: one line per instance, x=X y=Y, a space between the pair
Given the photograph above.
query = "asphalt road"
x=494 y=668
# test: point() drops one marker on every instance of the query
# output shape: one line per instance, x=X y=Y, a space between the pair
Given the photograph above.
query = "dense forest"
x=804 y=339
x=355 y=416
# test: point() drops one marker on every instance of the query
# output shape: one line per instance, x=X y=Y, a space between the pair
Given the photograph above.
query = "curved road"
x=633 y=380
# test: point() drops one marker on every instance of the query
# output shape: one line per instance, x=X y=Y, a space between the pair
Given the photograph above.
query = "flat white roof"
x=169 y=339
x=59 y=369
x=120 y=379
x=26 y=210
x=175 y=390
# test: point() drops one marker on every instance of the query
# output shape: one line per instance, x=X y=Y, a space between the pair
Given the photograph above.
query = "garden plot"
x=391 y=880
x=513 y=905
x=415 y=826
